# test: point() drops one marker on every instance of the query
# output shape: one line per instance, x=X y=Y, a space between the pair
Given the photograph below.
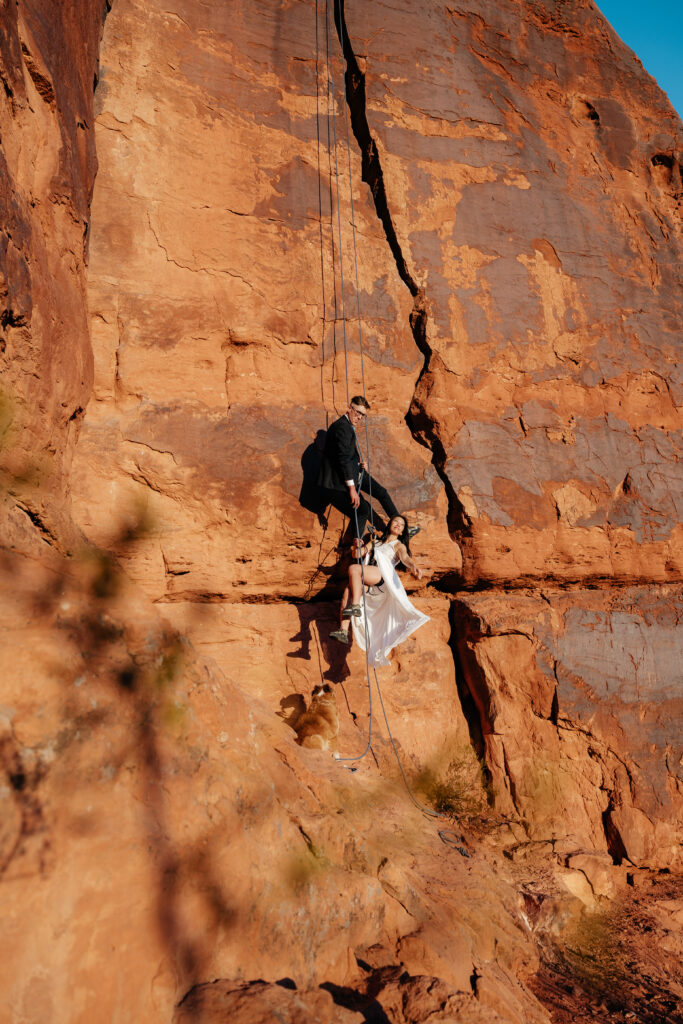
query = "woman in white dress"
x=386 y=617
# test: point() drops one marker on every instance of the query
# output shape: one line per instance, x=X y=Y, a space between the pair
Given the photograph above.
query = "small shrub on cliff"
x=455 y=788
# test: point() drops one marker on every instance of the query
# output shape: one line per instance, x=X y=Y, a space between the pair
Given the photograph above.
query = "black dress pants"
x=342 y=502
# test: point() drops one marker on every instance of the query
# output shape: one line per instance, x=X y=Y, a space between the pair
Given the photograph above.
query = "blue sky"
x=654 y=31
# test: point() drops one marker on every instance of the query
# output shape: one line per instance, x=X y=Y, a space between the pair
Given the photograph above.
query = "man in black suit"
x=343 y=474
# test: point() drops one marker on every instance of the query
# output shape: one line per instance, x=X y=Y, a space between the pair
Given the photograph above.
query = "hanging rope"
x=355 y=261
x=330 y=92
x=332 y=106
x=446 y=837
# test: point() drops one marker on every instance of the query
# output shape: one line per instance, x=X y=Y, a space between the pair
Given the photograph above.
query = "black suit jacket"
x=341 y=459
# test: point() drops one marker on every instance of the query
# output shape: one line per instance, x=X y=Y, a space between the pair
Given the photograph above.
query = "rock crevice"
x=373 y=175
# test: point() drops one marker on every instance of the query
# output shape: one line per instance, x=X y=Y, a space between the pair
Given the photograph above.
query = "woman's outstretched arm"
x=402 y=553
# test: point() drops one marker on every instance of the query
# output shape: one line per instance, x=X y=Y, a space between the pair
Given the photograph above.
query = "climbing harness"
x=352 y=762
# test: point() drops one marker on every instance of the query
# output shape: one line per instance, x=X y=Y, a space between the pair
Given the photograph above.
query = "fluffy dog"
x=318 y=726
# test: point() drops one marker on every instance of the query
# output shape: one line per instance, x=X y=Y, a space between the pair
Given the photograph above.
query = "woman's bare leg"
x=370 y=573
x=342 y=633
x=344 y=623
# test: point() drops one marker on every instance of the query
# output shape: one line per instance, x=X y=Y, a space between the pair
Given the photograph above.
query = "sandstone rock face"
x=555 y=293
x=511 y=190
x=176 y=832
x=517 y=283
x=579 y=705
x=47 y=169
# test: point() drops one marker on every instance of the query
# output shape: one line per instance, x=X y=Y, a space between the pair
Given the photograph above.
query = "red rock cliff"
x=47 y=168
x=513 y=183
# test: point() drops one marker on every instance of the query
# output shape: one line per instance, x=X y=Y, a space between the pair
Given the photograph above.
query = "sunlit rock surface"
x=509 y=208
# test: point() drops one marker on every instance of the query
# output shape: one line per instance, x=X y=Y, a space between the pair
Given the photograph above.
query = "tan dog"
x=318 y=726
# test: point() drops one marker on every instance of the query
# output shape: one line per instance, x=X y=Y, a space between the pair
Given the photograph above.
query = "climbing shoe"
x=413 y=531
x=341 y=635
x=350 y=611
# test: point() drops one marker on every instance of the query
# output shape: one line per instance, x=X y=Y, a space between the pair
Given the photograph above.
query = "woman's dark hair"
x=403 y=537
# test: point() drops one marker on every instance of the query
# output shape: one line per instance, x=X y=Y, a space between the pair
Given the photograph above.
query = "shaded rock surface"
x=166 y=603
x=48 y=61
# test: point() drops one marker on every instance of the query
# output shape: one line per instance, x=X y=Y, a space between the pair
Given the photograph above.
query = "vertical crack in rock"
x=472 y=708
x=373 y=174
x=419 y=423
x=615 y=844
x=555 y=708
x=421 y=426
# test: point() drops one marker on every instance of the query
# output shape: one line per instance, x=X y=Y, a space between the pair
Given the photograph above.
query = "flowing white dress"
x=391 y=618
